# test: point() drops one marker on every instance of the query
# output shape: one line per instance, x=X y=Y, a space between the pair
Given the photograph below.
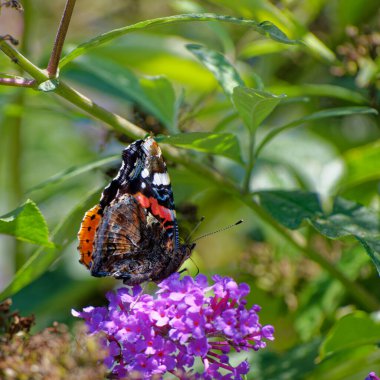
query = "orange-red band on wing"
x=163 y=213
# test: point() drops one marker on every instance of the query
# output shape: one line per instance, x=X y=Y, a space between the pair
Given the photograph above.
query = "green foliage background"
x=273 y=120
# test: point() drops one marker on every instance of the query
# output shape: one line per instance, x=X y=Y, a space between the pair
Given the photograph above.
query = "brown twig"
x=52 y=67
x=12 y=4
x=9 y=38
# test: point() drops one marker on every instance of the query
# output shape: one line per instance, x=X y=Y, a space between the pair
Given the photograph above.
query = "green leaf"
x=74 y=171
x=331 y=112
x=261 y=47
x=253 y=105
x=222 y=144
x=327 y=90
x=265 y=29
x=368 y=72
x=351 y=331
x=285 y=20
x=224 y=72
x=162 y=97
x=273 y=32
x=294 y=363
x=362 y=165
x=291 y=208
x=43 y=258
x=26 y=223
x=347 y=218
x=154 y=94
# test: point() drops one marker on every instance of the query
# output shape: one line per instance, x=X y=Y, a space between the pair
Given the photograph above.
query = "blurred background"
x=41 y=136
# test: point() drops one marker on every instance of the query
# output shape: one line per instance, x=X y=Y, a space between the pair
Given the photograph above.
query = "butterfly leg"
x=133 y=279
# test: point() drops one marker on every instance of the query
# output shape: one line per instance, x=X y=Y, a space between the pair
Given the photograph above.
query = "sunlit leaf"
x=155 y=55
x=161 y=94
x=223 y=144
x=286 y=21
x=253 y=105
x=326 y=90
x=153 y=94
x=220 y=31
x=261 y=47
x=346 y=218
x=368 y=71
x=362 y=165
x=328 y=113
x=42 y=258
x=26 y=223
x=351 y=331
x=224 y=72
x=273 y=32
x=266 y=30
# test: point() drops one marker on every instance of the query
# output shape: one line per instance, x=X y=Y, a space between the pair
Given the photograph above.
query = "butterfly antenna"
x=194 y=229
x=220 y=230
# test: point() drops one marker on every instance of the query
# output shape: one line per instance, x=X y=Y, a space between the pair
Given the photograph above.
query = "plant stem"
x=117 y=122
x=20 y=60
x=13 y=128
x=52 y=67
x=122 y=125
x=17 y=82
x=251 y=162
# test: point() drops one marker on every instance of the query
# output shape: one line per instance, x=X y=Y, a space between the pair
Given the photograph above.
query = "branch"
x=52 y=67
x=17 y=82
x=16 y=57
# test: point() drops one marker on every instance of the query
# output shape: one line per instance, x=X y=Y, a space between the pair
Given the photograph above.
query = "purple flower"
x=186 y=319
x=372 y=376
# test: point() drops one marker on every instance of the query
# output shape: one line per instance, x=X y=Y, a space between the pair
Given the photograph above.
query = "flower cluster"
x=187 y=319
x=372 y=376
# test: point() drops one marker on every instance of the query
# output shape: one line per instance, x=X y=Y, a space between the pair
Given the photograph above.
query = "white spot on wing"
x=143 y=185
x=161 y=179
x=145 y=173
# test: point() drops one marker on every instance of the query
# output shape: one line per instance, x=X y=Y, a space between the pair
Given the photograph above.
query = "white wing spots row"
x=161 y=179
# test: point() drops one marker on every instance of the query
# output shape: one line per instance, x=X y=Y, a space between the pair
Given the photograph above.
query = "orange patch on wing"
x=143 y=200
x=157 y=210
x=163 y=212
x=86 y=234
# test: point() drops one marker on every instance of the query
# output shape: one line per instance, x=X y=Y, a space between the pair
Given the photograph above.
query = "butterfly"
x=132 y=234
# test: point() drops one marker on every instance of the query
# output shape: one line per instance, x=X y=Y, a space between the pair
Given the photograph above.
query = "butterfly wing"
x=143 y=173
x=130 y=243
x=86 y=234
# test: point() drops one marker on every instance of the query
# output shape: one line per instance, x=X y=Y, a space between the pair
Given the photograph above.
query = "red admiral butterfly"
x=132 y=234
